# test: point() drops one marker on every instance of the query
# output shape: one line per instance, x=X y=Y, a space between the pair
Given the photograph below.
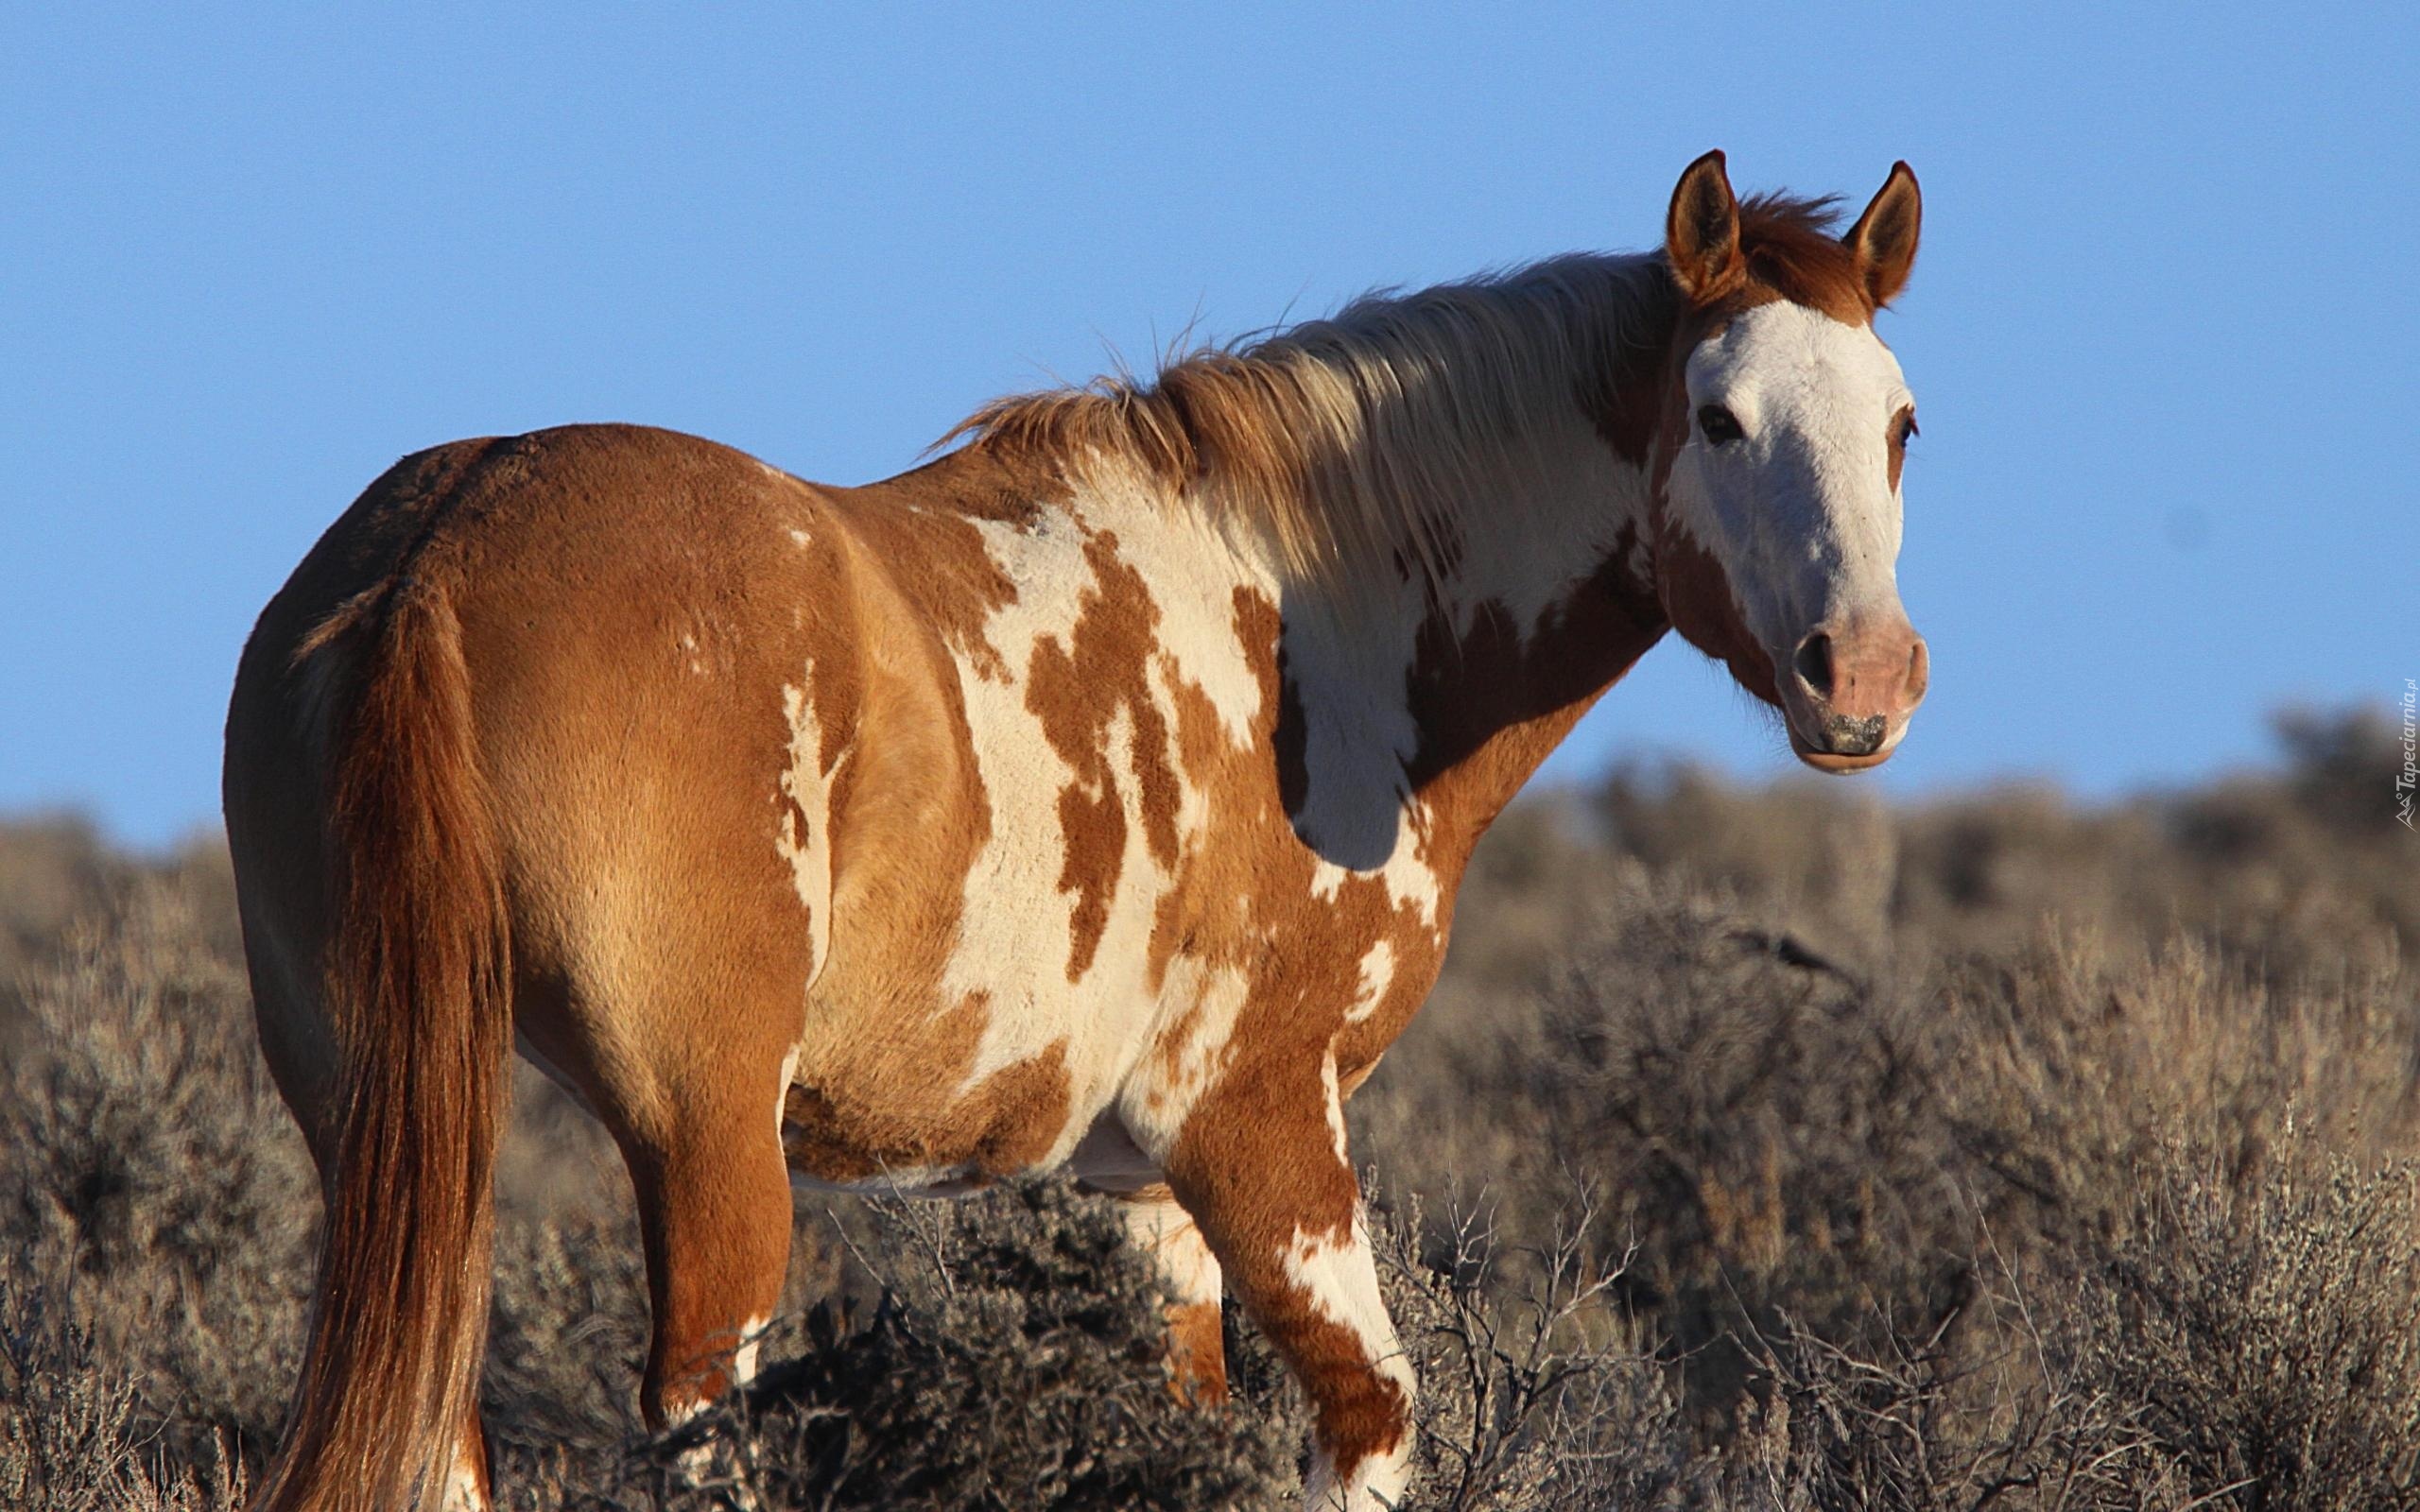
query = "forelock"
x=1793 y=250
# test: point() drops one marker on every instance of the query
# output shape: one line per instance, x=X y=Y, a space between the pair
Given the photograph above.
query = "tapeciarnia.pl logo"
x=2406 y=780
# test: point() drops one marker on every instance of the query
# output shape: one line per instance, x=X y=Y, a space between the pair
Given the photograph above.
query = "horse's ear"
x=1702 y=231
x=1884 y=238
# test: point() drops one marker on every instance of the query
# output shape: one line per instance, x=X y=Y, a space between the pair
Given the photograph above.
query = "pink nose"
x=1860 y=678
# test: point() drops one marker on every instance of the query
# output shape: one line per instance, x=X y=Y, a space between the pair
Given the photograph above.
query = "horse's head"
x=1785 y=421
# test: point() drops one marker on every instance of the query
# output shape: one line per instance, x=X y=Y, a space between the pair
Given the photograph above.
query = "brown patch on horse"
x=1792 y=252
x=1077 y=690
x=1698 y=594
x=1492 y=700
x=1197 y=1355
x=902 y=1115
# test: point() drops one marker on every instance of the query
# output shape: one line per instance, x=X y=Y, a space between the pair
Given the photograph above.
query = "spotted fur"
x=1093 y=797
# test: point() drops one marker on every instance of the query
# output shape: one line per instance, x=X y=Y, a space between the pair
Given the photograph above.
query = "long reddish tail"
x=419 y=996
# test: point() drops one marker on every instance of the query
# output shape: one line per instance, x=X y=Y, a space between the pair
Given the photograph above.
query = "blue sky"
x=2162 y=328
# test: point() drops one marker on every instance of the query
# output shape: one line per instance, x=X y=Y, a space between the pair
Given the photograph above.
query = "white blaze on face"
x=1799 y=509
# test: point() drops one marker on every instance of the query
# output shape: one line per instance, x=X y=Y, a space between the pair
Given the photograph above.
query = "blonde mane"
x=1364 y=440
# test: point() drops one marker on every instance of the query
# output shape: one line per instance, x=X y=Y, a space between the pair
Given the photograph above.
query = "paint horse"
x=1093 y=797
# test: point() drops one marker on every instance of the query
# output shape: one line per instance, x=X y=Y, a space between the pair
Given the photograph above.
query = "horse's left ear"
x=1884 y=238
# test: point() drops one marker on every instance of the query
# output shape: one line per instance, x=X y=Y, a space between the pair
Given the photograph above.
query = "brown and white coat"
x=1093 y=797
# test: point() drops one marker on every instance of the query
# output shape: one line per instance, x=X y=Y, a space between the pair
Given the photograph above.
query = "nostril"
x=1919 y=671
x=1814 y=664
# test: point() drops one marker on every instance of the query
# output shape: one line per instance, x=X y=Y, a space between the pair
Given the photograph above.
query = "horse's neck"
x=1419 y=719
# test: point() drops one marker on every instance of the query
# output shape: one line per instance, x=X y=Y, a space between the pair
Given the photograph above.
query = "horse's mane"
x=1367 y=436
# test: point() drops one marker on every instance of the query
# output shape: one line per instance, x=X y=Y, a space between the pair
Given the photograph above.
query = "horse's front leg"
x=1260 y=1163
x=1161 y=1227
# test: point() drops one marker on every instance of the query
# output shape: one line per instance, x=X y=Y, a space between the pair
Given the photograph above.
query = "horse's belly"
x=945 y=1104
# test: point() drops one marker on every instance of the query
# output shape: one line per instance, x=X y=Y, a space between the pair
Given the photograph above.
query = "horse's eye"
x=1718 y=424
x=1906 y=426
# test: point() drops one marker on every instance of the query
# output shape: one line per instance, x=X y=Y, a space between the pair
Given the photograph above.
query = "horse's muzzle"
x=1849 y=687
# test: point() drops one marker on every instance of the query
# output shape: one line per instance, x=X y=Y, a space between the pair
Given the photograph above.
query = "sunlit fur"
x=1363 y=439
x=1094 y=798
x=1800 y=509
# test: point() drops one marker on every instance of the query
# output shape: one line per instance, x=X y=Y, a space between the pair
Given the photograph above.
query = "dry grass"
x=1763 y=1149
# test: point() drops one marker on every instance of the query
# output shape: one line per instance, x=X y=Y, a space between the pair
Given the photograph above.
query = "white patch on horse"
x=781 y=1089
x=1019 y=955
x=1524 y=562
x=1799 y=509
x=1192 y=571
x=1335 y=1107
x=806 y=783
x=1378 y=974
x=1409 y=882
x=1340 y=1280
x=1207 y=1001
x=799 y=538
x=1165 y=1232
x=752 y=1339
x=1016 y=955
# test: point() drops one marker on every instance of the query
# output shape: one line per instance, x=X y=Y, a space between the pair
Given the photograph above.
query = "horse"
x=1092 y=797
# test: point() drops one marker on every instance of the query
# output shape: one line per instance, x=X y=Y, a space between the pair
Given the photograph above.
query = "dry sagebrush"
x=1763 y=1149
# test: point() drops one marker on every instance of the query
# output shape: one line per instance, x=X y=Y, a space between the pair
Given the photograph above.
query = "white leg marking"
x=743 y=1359
x=1342 y=1279
x=1165 y=1232
x=1378 y=974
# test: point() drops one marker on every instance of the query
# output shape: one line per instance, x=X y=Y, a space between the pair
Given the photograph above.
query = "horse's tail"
x=418 y=987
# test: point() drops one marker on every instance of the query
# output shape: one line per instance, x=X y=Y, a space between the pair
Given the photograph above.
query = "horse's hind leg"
x=1197 y=1352
x=693 y=1100
x=713 y=1199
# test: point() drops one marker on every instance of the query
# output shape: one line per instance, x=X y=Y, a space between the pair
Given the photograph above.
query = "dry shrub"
x=1989 y=1152
x=2265 y=1338
x=55 y=871
x=151 y=1183
x=1014 y=1359
x=1533 y=1392
x=72 y=1430
x=2288 y=871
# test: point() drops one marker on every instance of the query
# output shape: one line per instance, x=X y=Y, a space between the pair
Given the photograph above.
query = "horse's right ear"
x=1702 y=231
